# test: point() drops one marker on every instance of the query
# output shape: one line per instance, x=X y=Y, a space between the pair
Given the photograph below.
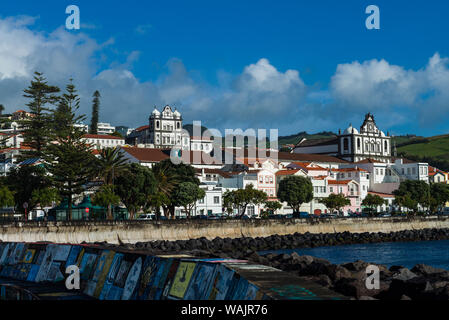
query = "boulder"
x=423 y=269
x=404 y=274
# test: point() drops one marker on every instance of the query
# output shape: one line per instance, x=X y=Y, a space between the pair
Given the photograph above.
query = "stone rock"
x=404 y=297
x=423 y=269
x=404 y=274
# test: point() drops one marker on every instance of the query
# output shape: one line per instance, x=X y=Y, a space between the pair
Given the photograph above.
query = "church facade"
x=352 y=145
x=165 y=128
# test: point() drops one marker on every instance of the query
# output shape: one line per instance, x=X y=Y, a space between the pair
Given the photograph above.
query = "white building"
x=352 y=145
x=105 y=128
x=165 y=129
x=212 y=202
x=201 y=144
x=83 y=127
x=100 y=141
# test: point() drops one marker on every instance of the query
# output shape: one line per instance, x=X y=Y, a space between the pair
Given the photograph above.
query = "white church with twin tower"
x=352 y=145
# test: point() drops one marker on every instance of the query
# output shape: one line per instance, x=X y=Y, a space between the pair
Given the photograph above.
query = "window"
x=346 y=144
x=178 y=125
x=358 y=143
x=386 y=146
x=331 y=189
x=260 y=179
x=414 y=170
x=201 y=201
x=408 y=171
x=266 y=179
x=271 y=179
x=250 y=210
x=217 y=200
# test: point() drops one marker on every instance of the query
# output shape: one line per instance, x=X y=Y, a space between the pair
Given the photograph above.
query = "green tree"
x=417 y=191
x=106 y=196
x=117 y=134
x=242 y=198
x=38 y=129
x=439 y=193
x=69 y=159
x=406 y=201
x=373 y=201
x=23 y=181
x=6 y=197
x=135 y=188
x=111 y=164
x=295 y=190
x=271 y=207
x=187 y=194
x=45 y=197
x=2 y=108
x=95 y=113
x=335 y=202
x=228 y=201
x=168 y=176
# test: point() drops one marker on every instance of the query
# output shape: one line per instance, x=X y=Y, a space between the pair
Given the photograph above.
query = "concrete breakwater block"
x=38 y=271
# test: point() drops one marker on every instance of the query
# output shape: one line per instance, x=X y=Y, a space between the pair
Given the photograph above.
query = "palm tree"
x=110 y=164
x=166 y=182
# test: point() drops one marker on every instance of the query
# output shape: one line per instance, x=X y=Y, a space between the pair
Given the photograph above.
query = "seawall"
x=143 y=231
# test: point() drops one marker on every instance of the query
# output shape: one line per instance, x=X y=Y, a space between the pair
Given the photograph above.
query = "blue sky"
x=292 y=65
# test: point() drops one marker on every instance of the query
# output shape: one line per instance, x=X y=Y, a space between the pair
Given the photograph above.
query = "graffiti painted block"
x=201 y=284
x=132 y=279
x=182 y=279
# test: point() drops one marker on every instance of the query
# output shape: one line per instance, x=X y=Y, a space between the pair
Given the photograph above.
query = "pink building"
x=350 y=189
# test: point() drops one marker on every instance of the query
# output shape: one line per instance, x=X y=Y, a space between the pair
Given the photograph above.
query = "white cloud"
x=378 y=86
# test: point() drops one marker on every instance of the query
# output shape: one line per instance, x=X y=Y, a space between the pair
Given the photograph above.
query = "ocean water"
x=407 y=254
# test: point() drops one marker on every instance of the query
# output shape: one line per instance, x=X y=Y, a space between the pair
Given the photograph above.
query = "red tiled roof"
x=339 y=181
x=286 y=172
x=369 y=160
x=348 y=170
x=142 y=128
x=320 y=177
x=147 y=155
x=383 y=195
x=101 y=136
x=214 y=171
x=309 y=157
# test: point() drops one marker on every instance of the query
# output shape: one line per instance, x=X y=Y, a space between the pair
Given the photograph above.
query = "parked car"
x=329 y=215
x=300 y=215
x=385 y=215
x=147 y=216
x=199 y=217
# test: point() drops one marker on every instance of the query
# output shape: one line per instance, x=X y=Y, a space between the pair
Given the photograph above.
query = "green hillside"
x=432 y=147
x=295 y=138
x=434 y=150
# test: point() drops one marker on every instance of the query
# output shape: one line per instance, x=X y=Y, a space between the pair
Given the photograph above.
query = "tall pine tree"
x=37 y=129
x=95 y=113
x=69 y=159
